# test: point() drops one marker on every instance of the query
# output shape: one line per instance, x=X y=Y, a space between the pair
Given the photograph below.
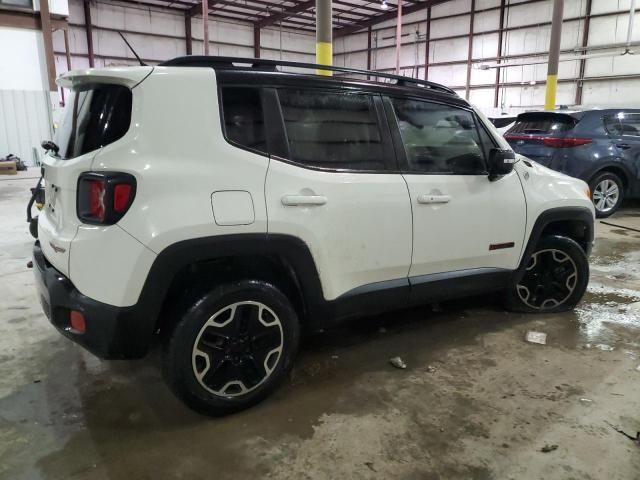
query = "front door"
x=462 y=222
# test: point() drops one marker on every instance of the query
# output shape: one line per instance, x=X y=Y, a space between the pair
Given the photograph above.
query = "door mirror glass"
x=500 y=162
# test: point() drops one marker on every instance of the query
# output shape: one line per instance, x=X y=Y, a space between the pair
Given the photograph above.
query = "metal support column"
x=427 y=40
x=67 y=50
x=324 y=35
x=470 y=51
x=205 y=27
x=368 y=50
x=89 y=30
x=496 y=94
x=583 y=61
x=554 y=55
x=187 y=33
x=45 y=22
x=398 y=36
x=256 y=41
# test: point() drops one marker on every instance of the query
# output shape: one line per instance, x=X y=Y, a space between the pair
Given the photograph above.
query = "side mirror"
x=500 y=162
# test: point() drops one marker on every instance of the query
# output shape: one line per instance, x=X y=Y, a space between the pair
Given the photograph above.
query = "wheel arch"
x=576 y=223
x=194 y=266
x=616 y=168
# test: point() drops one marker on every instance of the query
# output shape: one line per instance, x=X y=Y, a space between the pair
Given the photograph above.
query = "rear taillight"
x=565 y=142
x=104 y=198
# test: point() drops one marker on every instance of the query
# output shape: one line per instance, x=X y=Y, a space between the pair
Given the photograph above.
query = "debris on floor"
x=536 y=337
x=638 y=368
x=604 y=347
x=431 y=369
x=398 y=362
x=370 y=466
x=586 y=401
x=548 y=448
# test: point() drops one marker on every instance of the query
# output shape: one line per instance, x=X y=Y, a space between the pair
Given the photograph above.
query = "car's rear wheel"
x=232 y=347
x=554 y=279
x=607 y=191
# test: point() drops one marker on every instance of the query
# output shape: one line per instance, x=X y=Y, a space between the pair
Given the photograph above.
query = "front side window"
x=243 y=117
x=96 y=115
x=335 y=130
x=439 y=139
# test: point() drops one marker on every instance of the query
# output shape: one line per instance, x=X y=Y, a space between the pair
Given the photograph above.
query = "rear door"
x=624 y=129
x=335 y=186
x=534 y=134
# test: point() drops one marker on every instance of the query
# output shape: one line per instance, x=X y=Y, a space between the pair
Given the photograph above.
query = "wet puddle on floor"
x=609 y=315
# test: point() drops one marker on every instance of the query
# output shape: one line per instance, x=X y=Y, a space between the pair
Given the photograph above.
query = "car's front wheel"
x=554 y=279
x=606 y=192
x=232 y=347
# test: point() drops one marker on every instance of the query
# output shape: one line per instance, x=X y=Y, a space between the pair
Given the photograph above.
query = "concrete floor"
x=476 y=401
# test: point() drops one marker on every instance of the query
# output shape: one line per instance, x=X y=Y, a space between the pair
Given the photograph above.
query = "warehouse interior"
x=468 y=393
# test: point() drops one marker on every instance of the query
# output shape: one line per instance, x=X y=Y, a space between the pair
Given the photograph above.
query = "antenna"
x=132 y=50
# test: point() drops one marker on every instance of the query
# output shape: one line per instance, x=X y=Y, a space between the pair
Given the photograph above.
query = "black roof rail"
x=265 y=64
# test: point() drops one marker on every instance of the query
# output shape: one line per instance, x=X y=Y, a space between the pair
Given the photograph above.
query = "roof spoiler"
x=127 y=76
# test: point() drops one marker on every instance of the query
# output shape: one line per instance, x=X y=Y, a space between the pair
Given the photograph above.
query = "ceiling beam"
x=287 y=12
x=388 y=15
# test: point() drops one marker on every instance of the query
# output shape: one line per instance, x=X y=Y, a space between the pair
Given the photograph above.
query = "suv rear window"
x=542 y=123
x=96 y=115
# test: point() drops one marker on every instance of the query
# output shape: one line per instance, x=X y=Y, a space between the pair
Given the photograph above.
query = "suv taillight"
x=565 y=142
x=104 y=198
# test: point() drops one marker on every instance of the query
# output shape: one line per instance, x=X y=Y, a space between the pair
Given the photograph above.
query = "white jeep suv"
x=222 y=205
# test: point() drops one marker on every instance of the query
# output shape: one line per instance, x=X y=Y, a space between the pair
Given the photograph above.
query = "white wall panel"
x=482 y=97
x=451 y=8
x=486 y=21
x=607 y=30
x=449 y=27
x=448 y=50
x=608 y=93
x=485 y=46
x=452 y=75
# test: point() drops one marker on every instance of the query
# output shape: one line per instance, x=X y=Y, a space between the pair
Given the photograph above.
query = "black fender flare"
x=547 y=217
x=292 y=250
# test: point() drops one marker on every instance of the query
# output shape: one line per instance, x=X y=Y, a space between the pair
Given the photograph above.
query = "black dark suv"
x=601 y=147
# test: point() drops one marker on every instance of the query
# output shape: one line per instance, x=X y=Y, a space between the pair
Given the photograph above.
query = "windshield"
x=96 y=115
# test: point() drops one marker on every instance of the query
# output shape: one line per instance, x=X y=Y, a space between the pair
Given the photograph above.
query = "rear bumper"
x=111 y=332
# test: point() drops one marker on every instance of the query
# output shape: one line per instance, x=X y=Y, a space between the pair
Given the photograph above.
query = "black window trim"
x=389 y=157
x=401 y=153
x=223 y=123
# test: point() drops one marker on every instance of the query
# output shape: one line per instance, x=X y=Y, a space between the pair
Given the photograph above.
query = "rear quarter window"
x=96 y=115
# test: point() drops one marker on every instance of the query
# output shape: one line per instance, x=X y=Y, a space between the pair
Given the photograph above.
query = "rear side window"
x=540 y=123
x=623 y=124
x=440 y=139
x=96 y=115
x=335 y=130
x=243 y=117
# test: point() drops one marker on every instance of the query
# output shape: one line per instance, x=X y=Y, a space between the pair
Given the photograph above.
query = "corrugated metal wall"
x=24 y=122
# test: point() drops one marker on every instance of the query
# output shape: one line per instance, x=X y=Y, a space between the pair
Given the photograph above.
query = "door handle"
x=296 y=200
x=623 y=146
x=426 y=198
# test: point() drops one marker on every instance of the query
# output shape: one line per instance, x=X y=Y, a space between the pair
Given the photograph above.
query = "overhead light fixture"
x=384 y=5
